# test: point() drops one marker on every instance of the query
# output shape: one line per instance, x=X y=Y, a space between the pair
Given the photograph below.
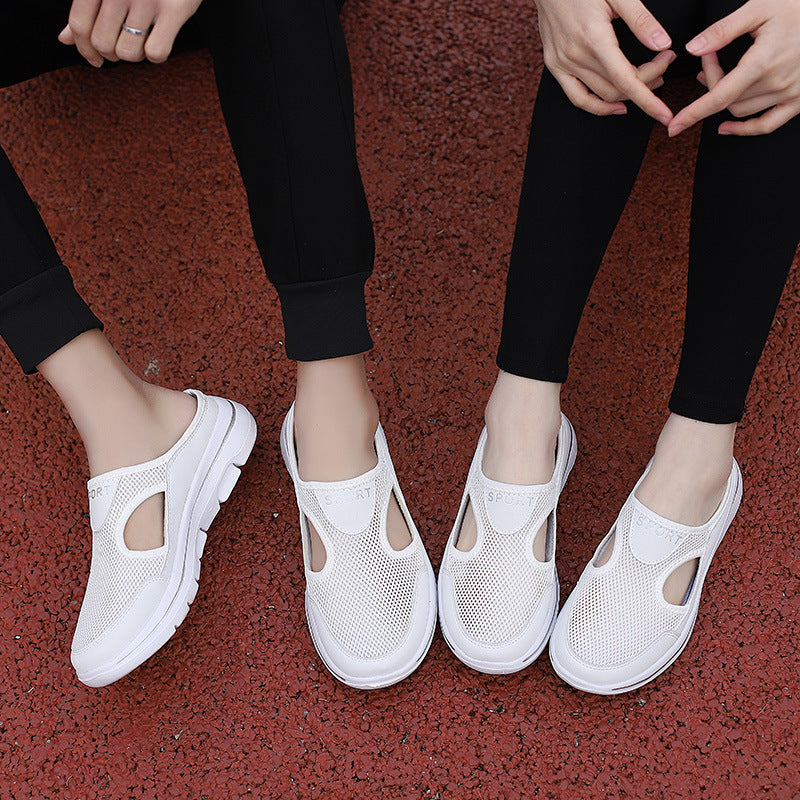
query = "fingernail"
x=659 y=83
x=661 y=40
x=697 y=44
x=723 y=132
x=620 y=111
x=674 y=131
x=672 y=56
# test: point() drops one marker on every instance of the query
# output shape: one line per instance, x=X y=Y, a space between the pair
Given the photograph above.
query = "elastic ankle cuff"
x=704 y=409
x=325 y=319
x=43 y=314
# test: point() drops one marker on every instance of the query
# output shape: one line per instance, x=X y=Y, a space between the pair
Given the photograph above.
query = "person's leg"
x=744 y=233
x=284 y=83
x=122 y=420
x=615 y=632
x=579 y=172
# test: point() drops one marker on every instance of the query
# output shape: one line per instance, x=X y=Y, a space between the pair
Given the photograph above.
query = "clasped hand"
x=582 y=52
x=126 y=30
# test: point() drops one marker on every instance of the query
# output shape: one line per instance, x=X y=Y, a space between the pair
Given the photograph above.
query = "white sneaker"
x=616 y=631
x=135 y=600
x=497 y=601
x=371 y=609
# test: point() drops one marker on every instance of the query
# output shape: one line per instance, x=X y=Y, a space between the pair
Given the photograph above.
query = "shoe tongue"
x=509 y=507
x=350 y=506
x=101 y=493
x=652 y=538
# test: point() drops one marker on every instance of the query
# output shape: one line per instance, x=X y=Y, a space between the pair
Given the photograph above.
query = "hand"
x=767 y=77
x=96 y=28
x=582 y=52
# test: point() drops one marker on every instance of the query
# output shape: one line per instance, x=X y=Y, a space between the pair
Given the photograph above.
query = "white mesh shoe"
x=497 y=601
x=135 y=600
x=616 y=631
x=371 y=609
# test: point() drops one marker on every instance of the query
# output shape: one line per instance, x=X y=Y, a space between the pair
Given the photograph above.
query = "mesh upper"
x=498 y=585
x=116 y=573
x=365 y=594
x=621 y=611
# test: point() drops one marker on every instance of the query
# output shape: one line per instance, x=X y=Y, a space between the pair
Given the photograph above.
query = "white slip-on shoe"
x=135 y=600
x=617 y=631
x=497 y=601
x=371 y=609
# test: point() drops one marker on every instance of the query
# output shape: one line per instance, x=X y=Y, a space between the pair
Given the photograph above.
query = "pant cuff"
x=515 y=362
x=704 y=409
x=43 y=314
x=325 y=319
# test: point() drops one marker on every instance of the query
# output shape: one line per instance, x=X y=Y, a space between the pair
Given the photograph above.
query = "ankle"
x=335 y=420
x=121 y=419
x=523 y=419
x=694 y=452
x=154 y=417
x=690 y=470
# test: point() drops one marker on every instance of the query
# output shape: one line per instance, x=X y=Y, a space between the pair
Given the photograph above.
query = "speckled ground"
x=134 y=175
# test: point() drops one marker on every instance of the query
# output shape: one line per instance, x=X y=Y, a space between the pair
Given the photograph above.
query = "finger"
x=130 y=46
x=107 y=26
x=82 y=14
x=66 y=36
x=649 y=73
x=644 y=26
x=727 y=91
x=598 y=85
x=622 y=74
x=712 y=70
x=755 y=105
x=766 y=123
x=581 y=97
x=724 y=31
x=701 y=77
x=656 y=68
x=159 y=43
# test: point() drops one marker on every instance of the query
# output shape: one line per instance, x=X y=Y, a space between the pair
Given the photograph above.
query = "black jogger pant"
x=284 y=84
x=745 y=227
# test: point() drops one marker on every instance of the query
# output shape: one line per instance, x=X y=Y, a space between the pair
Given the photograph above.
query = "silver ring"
x=135 y=31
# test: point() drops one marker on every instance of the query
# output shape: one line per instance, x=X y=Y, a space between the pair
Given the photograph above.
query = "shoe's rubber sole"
x=211 y=487
x=685 y=633
x=537 y=648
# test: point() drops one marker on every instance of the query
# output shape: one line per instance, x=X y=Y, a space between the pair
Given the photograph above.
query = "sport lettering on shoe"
x=350 y=508
x=650 y=541
x=509 y=498
x=509 y=511
x=345 y=496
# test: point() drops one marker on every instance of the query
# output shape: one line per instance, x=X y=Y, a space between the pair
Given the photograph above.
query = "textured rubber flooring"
x=134 y=175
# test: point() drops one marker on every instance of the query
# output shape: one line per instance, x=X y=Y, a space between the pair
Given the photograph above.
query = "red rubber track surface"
x=134 y=175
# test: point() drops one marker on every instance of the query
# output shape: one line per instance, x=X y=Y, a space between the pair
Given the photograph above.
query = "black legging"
x=745 y=227
x=284 y=84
